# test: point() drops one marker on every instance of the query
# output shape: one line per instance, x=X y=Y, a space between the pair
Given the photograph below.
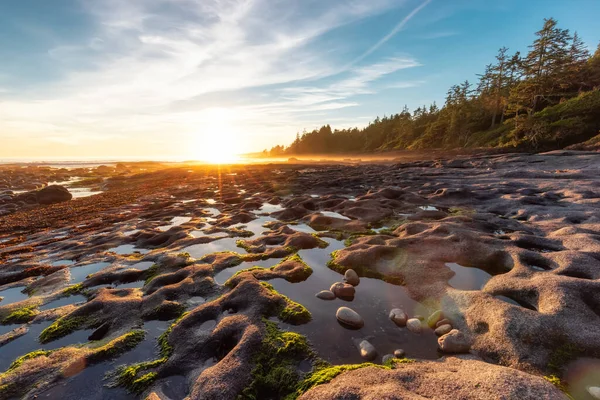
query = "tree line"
x=547 y=98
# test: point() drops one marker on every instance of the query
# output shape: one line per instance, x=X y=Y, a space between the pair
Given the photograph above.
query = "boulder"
x=53 y=194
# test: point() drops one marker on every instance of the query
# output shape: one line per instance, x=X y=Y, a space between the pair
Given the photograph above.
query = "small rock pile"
x=450 y=340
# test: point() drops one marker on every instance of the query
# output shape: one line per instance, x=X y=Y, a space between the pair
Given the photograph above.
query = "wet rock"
x=53 y=194
x=351 y=277
x=444 y=321
x=387 y=358
x=594 y=391
x=455 y=342
x=399 y=353
x=343 y=290
x=435 y=318
x=349 y=317
x=443 y=330
x=414 y=325
x=326 y=295
x=399 y=317
x=448 y=378
x=367 y=350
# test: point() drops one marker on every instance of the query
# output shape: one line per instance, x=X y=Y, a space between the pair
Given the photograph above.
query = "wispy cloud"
x=140 y=72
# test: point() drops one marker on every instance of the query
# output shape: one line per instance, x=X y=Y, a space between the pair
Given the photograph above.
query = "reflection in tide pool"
x=200 y=250
x=373 y=301
x=125 y=249
x=13 y=295
x=467 y=278
x=90 y=382
x=78 y=274
x=176 y=221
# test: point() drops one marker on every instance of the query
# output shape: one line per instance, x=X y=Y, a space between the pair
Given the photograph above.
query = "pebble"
x=414 y=325
x=443 y=330
x=419 y=317
x=594 y=391
x=444 y=321
x=349 y=317
x=434 y=318
x=343 y=290
x=326 y=295
x=398 y=316
x=351 y=277
x=454 y=342
x=399 y=353
x=367 y=350
x=387 y=358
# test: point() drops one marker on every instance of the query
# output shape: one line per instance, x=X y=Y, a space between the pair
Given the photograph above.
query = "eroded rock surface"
x=505 y=249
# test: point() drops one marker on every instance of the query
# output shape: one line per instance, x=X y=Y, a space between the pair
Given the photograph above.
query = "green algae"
x=290 y=312
x=62 y=327
x=21 y=315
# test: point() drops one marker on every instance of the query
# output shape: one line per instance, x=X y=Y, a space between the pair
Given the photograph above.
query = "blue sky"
x=177 y=78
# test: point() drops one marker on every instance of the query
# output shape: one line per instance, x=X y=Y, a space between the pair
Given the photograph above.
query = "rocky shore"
x=473 y=277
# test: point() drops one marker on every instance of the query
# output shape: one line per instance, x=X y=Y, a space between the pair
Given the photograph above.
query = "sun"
x=217 y=141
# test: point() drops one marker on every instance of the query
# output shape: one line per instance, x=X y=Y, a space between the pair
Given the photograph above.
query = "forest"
x=548 y=98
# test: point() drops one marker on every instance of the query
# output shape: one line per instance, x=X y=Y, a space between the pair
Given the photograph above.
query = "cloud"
x=150 y=61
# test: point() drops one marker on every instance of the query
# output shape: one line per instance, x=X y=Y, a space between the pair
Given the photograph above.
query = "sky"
x=183 y=79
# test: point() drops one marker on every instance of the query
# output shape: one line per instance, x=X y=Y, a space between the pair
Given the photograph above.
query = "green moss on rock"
x=29 y=356
x=291 y=312
x=21 y=316
x=61 y=327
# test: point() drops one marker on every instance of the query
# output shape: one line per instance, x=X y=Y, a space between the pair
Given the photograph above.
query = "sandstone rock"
x=399 y=353
x=448 y=378
x=455 y=342
x=414 y=325
x=53 y=194
x=399 y=317
x=343 y=290
x=351 y=277
x=443 y=330
x=349 y=317
x=434 y=318
x=367 y=350
x=326 y=295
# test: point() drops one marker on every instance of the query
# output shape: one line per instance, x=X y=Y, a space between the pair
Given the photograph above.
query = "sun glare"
x=217 y=140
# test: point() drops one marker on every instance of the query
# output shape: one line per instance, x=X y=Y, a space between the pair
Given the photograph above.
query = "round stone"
x=594 y=391
x=399 y=353
x=443 y=330
x=434 y=318
x=398 y=316
x=326 y=295
x=349 y=317
x=343 y=290
x=351 y=277
x=444 y=321
x=367 y=350
x=414 y=325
